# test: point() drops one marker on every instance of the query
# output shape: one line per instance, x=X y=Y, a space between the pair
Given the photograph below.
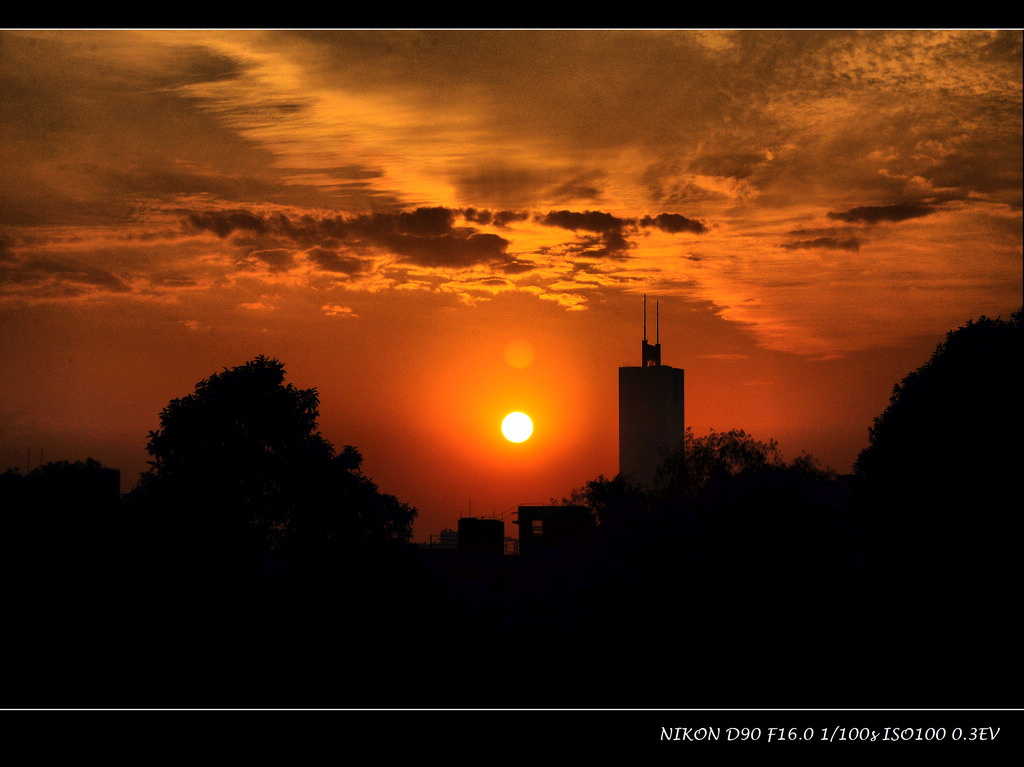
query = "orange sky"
x=386 y=212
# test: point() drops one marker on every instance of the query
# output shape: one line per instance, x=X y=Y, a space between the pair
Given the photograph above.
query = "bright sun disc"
x=517 y=427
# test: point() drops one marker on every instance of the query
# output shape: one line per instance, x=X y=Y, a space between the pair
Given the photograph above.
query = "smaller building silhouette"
x=479 y=536
x=543 y=528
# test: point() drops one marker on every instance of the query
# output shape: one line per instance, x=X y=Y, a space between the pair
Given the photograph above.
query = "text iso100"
x=940 y=733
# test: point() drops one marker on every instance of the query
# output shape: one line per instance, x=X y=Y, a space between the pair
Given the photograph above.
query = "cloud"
x=334 y=310
x=329 y=261
x=578 y=189
x=872 y=214
x=173 y=281
x=590 y=220
x=58 y=277
x=501 y=218
x=226 y=223
x=277 y=260
x=611 y=229
x=258 y=306
x=827 y=243
x=412 y=160
x=569 y=301
x=673 y=223
x=421 y=222
x=517 y=266
x=424 y=236
x=449 y=250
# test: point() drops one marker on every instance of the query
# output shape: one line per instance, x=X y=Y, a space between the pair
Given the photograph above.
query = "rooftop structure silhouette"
x=651 y=410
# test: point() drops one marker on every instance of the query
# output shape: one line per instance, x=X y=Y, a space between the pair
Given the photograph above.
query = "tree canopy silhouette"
x=243 y=460
x=721 y=456
x=62 y=515
x=939 y=480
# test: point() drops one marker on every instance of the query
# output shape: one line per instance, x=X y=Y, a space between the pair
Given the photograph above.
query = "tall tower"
x=651 y=408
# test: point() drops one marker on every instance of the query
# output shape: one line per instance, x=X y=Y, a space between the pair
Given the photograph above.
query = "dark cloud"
x=496 y=281
x=277 y=260
x=611 y=229
x=173 y=281
x=674 y=223
x=872 y=214
x=590 y=220
x=504 y=186
x=829 y=243
x=501 y=218
x=729 y=164
x=449 y=250
x=425 y=236
x=422 y=222
x=428 y=237
x=377 y=227
x=478 y=216
x=352 y=172
x=990 y=169
x=330 y=261
x=578 y=189
x=163 y=182
x=75 y=271
x=516 y=266
x=506 y=217
x=194 y=64
x=67 y=276
x=224 y=223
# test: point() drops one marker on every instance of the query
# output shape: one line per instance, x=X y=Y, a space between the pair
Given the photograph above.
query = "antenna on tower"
x=651 y=353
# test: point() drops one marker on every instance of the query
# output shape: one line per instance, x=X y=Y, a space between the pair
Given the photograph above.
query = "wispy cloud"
x=727 y=165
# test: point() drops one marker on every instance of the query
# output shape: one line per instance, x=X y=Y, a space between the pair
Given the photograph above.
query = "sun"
x=517 y=427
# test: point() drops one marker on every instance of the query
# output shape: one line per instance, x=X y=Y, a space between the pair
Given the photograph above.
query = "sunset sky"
x=436 y=228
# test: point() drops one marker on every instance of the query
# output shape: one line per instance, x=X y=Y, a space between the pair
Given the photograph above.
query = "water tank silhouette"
x=481 y=536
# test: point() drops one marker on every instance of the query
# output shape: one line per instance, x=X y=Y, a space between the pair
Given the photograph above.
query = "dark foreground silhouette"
x=256 y=566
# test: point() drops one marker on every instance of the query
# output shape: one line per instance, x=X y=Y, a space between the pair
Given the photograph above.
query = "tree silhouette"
x=240 y=472
x=939 y=478
x=63 y=517
x=936 y=506
x=615 y=501
x=62 y=580
x=764 y=526
x=735 y=557
x=702 y=461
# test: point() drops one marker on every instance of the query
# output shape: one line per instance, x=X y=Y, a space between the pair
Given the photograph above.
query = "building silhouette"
x=480 y=536
x=651 y=410
x=551 y=528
